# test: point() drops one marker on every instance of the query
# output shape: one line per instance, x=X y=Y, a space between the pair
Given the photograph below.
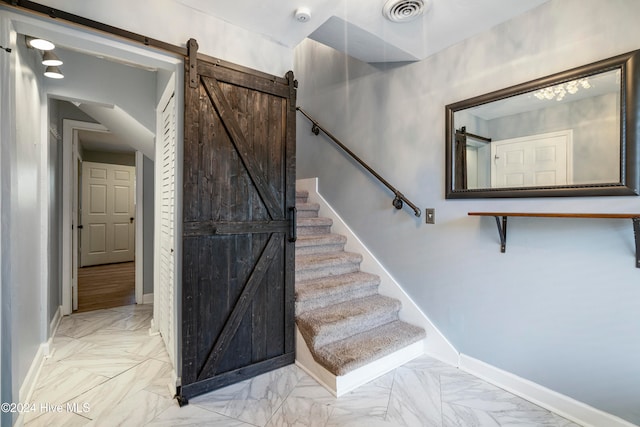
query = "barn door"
x=238 y=225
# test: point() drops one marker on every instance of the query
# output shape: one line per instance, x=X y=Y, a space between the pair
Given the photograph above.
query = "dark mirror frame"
x=629 y=183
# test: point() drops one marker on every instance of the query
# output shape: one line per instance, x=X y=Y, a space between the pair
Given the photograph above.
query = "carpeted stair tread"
x=317 y=243
x=342 y=357
x=324 y=291
x=339 y=321
x=344 y=321
x=307 y=210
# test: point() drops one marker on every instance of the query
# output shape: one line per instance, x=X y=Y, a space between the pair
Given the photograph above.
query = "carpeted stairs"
x=345 y=322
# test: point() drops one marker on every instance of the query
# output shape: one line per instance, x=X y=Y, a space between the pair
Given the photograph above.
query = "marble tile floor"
x=108 y=371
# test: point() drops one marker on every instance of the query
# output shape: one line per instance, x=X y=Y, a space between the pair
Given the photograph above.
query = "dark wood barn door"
x=238 y=225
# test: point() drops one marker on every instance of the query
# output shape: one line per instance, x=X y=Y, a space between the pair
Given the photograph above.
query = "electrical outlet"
x=430 y=215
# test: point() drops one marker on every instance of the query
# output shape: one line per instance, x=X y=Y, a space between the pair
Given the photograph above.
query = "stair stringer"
x=435 y=344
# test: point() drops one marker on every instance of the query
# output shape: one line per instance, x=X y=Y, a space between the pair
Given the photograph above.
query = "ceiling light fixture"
x=40 y=44
x=559 y=91
x=50 y=59
x=53 y=73
x=404 y=10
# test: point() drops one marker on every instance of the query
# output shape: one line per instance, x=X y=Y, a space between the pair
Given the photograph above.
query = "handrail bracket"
x=399 y=199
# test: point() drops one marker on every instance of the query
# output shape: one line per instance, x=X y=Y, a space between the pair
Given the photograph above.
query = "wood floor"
x=106 y=286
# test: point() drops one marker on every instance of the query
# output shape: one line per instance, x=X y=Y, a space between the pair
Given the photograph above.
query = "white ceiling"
x=355 y=27
x=102 y=141
x=358 y=28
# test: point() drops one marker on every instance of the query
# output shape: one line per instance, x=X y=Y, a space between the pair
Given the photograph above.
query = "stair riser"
x=310 y=273
x=313 y=230
x=343 y=320
x=351 y=326
x=319 y=249
x=330 y=299
x=307 y=213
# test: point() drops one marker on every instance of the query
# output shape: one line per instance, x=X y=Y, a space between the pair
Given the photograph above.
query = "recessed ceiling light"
x=50 y=59
x=40 y=44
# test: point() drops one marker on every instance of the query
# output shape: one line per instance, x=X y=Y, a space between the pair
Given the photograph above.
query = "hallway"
x=111 y=372
x=106 y=286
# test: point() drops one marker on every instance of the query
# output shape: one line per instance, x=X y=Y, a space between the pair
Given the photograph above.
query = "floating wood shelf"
x=501 y=222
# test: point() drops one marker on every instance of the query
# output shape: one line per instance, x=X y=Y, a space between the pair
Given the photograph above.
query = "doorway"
x=84 y=145
x=49 y=165
x=106 y=272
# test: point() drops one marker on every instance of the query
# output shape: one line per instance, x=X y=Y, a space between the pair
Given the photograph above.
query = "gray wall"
x=55 y=192
x=560 y=307
x=58 y=111
x=112 y=158
x=101 y=81
x=147 y=232
x=7 y=107
x=20 y=193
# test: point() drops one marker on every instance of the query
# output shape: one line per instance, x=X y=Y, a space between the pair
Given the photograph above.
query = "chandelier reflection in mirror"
x=559 y=91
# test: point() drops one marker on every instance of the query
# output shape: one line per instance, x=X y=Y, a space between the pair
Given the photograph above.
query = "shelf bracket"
x=502 y=231
x=636 y=233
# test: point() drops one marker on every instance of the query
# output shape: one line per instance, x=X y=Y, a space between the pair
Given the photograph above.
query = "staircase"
x=352 y=333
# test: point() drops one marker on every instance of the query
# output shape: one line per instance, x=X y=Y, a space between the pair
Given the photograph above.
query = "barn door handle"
x=293 y=236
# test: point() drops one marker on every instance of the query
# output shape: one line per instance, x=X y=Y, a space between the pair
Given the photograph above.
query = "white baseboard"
x=560 y=404
x=439 y=347
x=147 y=298
x=55 y=322
x=28 y=385
x=343 y=384
x=436 y=344
x=44 y=350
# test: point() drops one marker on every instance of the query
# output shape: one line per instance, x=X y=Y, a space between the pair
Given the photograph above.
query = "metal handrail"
x=399 y=197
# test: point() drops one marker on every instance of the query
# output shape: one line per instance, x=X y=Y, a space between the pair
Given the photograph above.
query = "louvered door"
x=164 y=305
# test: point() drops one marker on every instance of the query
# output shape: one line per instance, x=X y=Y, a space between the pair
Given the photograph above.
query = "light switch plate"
x=430 y=215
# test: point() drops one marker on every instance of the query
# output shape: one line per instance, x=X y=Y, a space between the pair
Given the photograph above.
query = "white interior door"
x=536 y=160
x=164 y=286
x=108 y=206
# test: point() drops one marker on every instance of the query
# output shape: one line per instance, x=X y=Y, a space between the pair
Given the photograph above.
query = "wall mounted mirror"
x=574 y=133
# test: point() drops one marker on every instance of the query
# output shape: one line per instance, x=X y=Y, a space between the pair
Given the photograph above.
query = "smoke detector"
x=404 y=10
x=302 y=14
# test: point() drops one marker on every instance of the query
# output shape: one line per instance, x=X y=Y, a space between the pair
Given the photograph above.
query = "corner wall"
x=559 y=308
x=26 y=211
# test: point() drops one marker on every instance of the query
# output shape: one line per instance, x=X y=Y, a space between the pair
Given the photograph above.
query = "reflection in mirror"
x=561 y=135
x=529 y=138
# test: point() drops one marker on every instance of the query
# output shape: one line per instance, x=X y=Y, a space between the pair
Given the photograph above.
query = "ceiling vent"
x=404 y=10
